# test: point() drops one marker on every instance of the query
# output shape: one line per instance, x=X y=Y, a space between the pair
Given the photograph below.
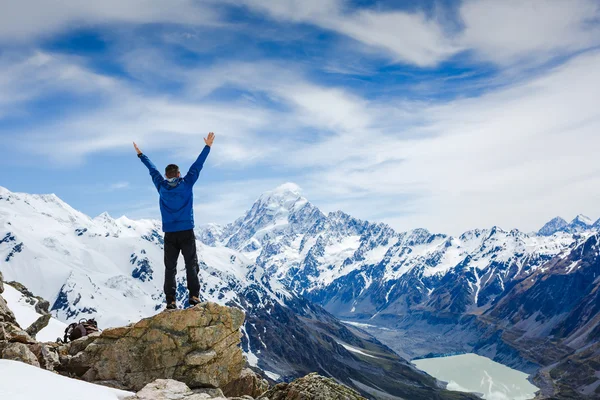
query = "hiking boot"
x=194 y=300
x=172 y=305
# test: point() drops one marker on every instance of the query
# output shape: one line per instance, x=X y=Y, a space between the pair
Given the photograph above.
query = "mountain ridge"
x=112 y=270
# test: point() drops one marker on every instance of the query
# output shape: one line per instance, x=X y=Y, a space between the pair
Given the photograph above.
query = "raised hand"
x=210 y=139
x=137 y=148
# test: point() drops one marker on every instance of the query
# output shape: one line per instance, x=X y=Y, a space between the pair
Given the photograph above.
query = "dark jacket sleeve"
x=192 y=176
x=157 y=178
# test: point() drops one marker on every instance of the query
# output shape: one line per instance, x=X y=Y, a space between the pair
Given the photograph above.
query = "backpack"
x=80 y=329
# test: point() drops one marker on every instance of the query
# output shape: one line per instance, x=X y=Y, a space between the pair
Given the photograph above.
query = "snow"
x=583 y=219
x=355 y=350
x=250 y=356
x=90 y=259
x=272 y=375
x=25 y=382
x=363 y=325
x=89 y=263
x=26 y=315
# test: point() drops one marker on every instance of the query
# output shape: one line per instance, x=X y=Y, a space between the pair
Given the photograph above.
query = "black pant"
x=184 y=241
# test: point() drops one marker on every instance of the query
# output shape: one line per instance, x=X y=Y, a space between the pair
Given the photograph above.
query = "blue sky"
x=439 y=114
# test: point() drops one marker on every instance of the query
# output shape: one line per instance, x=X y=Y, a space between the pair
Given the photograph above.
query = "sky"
x=447 y=115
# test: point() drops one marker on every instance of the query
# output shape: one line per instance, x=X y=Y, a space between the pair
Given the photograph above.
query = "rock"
x=169 y=389
x=312 y=387
x=211 y=392
x=249 y=383
x=9 y=328
x=19 y=352
x=1 y=283
x=5 y=313
x=78 y=345
x=13 y=333
x=46 y=355
x=198 y=346
x=38 y=325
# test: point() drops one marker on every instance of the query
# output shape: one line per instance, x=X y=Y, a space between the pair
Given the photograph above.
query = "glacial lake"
x=474 y=373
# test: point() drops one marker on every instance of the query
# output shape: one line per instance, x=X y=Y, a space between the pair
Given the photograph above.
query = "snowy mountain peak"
x=553 y=226
x=282 y=209
x=286 y=194
x=288 y=187
x=582 y=220
x=104 y=217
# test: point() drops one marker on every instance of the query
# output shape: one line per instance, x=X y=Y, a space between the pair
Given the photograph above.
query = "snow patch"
x=21 y=381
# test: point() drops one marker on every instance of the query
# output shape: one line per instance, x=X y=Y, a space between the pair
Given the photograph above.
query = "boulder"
x=169 y=389
x=9 y=328
x=312 y=387
x=6 y=314
x=18 y=352
x=198 y=346
x=46 y=355
x=38 y=325
x=13 y=333
x=249 y=383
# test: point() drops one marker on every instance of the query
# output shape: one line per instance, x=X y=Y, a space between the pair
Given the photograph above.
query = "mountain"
x=580 y=223
x=112 y=269
x=419 y=292
x=555 y=225
x=297 y=271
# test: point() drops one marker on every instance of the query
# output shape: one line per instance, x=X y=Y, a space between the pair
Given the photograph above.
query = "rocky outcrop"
x=249 y=383
x=20 y=345
x=10 y=330
x=312 y=387
x=18 y=352
x=198 y=346
x=169 y=389
x=38 y=325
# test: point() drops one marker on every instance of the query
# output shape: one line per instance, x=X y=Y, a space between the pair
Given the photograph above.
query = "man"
x=176 y=209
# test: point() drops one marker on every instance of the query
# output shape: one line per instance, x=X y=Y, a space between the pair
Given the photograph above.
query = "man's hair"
x=171 y=171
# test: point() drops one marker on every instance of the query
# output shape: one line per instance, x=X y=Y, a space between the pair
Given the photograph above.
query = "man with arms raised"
x=177 y=211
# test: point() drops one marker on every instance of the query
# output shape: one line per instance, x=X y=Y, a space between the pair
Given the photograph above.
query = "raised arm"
x=157 y=178
x=192 y=176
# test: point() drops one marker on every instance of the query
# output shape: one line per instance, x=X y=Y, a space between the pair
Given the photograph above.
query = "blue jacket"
x=177 y=198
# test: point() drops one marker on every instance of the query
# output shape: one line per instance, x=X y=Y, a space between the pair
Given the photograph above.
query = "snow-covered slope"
x=22 y=381
x=88 y=266
x=112 y=269
x=281 y=246
x=358 y=269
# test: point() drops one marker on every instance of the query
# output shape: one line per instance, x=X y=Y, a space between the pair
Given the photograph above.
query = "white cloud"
x=119 y=185
x=504 y=32
x=121 y=114
x=514 y=158
x=31 y=19
x=409 y=37
x=512 y=31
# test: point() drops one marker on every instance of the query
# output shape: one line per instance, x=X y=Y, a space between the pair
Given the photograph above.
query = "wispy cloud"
x=380 y=137
x=503 y=32
x=119 y=185
x=34 y=19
